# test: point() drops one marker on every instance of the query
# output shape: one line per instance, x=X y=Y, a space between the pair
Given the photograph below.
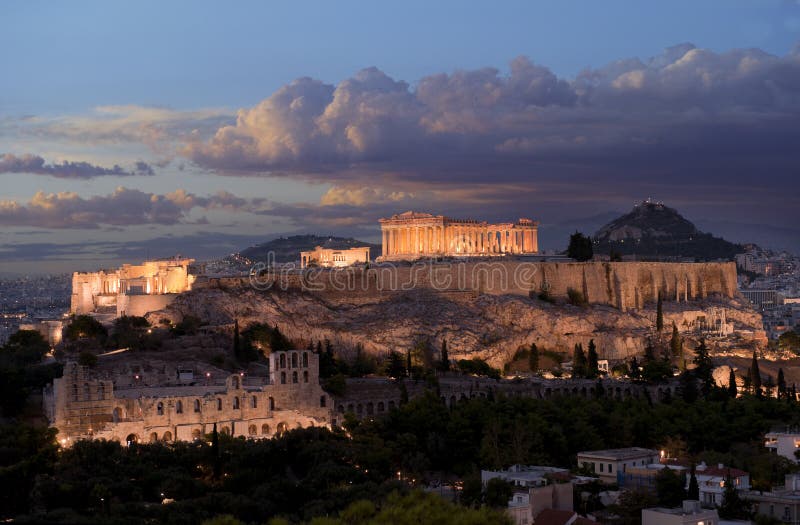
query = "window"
x=264 y=429
x=254 y=402
x=322 y=401
x=610 y=470
x=305 y=359
x=219 y=403
x=283 y=361
x=179 y=407
x=294 y=377
x=601 y=467
x=160 y=408
x=283 y=378
x=294 y=360
x=86 y=392
x=251 y=430
x=305 y=376
x=272 y=403
x=197 y=405
x=236 y=403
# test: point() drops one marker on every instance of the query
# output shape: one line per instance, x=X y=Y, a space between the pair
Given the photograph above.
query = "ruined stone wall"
x=625 y=285
x=138 y=305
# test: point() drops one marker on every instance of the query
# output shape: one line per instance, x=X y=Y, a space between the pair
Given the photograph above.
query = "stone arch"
x=167 y=436
x=197 y=434
x=235 y=382
x=153 y=437
x=294 y=359
x=253 y=402
x=225 y=430
x=271 y=403
x=305 y=359
x=282 y=428
x=351 y=409
x=219 y=403
x=236 y=404
x=381 y=407
x=160 y=408
x=323 y=401
x=179 y=407
x=101 y=390
x=132 y=439
x=252 y=430
x=264 y=429
x=294 y=377
x=340 y=409
x=197 y=405
x=282 y=360
x=392 y=405
x=370 y=409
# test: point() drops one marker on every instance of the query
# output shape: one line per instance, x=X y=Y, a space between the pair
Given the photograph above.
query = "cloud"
x=34 y=164
x=123 y=207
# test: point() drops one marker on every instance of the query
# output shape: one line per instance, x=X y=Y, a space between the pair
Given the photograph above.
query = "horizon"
x=293 y=121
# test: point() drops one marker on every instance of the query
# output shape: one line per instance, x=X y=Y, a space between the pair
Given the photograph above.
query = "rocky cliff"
x=491 y=326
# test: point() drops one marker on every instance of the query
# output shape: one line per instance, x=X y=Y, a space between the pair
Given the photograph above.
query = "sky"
x=145 y=129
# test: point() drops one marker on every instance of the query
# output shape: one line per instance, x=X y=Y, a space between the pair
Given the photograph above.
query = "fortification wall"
x=138 y=305
x=625 y=285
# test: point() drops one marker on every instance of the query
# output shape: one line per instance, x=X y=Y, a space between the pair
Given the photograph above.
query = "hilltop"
x=287 y=249
x=655 y=231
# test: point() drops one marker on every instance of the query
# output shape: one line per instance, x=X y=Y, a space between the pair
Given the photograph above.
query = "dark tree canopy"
x=580 y=247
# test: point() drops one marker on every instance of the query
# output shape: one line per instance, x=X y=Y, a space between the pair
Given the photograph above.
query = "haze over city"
x=143 y=129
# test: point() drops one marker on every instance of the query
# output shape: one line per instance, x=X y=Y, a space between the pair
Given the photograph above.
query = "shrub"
x=575 y=297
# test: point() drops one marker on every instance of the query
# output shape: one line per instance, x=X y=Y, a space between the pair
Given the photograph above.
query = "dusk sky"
x=151 y=128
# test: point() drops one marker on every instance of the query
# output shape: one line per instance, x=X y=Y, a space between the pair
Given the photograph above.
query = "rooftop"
x=619 y=453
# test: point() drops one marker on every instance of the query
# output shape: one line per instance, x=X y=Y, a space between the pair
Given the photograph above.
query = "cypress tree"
x=748 y=382
x=732 y=391
x=755 y=375
x=781 y=384
x=635 y=373
x=533 y=358
x=676 y=343
x=659 y=313
x=579 y=362
x=216 y=458
x=237 y=350
x=445 y=365
x=592 y=367
x=694 y=488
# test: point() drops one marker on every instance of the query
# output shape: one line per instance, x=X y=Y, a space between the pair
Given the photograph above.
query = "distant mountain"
x=287 y=249
x=654 y=231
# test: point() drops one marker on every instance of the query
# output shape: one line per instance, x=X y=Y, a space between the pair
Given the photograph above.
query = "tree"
x=688 y=386
x=781 y=384
x=676 y=343
x=748 y=381
x=278 y=341
x=87 y=358
x=580 y=247
x=592 y=370
x=669 y=488
x=649 y=351
x=704 y=368
x=733 y=506
x=26 y=347
x=635 y=373
x=659 y=313
x=84 y=326
x=755 y=375
x=790 y=340
x=498 y=492
x=579 y=364
x=732 y=390
x=237 y=349
x=533 y=358
x=444 y=364
x=395 y=366
x=694 y=488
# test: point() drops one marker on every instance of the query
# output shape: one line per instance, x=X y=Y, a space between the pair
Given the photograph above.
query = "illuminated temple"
x=412 y=235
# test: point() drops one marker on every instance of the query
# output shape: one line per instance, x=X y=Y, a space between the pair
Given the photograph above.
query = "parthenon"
x=412 y=235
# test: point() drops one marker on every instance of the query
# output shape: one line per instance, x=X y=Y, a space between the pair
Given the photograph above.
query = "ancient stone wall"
x=624 y=285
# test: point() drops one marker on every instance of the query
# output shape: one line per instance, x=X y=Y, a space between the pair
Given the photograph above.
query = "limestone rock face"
x=489 y=326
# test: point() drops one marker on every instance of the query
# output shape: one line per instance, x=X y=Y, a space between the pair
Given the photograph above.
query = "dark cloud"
x=123 y=207
x=34 y=164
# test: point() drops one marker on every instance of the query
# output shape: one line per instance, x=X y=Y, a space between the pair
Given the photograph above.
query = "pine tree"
x=445 y=363
x=755 y=375
x=649 y=352
x=781 y=384
x=635 y=373
x=408 y=362
x=659 y=313
x=395 y=366
x=733 y=506
x=748 y=382
x=592 y=358
x=216 y=458
x=579 y=361
x=533 y=358
x=732 y=391
x=705 y=368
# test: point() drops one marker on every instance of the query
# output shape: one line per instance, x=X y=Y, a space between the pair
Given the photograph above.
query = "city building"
x=334 y=258
x=691 y=513
x=643 y=478
x=781 y=503
x=51 y=329
x=783 y=443
x=412 y=235
x=763 y=299
x=525 y=476
x=711 y=480
x=131 y=289
x=610 y=464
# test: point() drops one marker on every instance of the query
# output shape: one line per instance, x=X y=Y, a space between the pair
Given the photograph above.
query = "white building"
x=783 y=443
x=711 y=480
x=524 y=476
x=607 y=464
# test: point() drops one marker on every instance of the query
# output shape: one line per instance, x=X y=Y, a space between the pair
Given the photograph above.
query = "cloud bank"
x=34 y=164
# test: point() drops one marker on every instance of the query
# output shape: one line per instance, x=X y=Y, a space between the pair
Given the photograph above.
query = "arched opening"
x=282 y=428
x=132 y=439
x=167 y=436
x=197 y=434
x=294 y=360
x=370 y=409
x=153 y=437
x=235 y=382
x=179 y=407
x=359 y=409
x=340 y=409
x=226 y=430
x=381 y=406
x=283 y=361
x=264 y=429
x=272 y=403
x=391 y=405
x=160 y=408
x=253 y=402
x=283 y=378
x=350 y=408
x=452 y=401
x=236 y=403
x=294 y=377
x=219 y=403
x=197 y=405
x=305 y=359
x=252 y=430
